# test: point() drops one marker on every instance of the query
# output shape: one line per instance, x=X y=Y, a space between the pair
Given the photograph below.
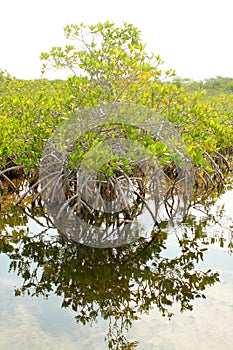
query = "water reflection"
x=117 y=284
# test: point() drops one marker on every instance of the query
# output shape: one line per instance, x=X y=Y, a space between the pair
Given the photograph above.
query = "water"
x=99 y=287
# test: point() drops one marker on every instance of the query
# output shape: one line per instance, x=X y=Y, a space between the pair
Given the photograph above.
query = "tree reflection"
x=117 y=284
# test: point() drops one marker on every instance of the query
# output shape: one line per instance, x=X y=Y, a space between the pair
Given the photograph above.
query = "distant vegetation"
x=212 y=86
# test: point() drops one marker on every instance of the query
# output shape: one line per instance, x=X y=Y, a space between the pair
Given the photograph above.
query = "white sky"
x=194 y=37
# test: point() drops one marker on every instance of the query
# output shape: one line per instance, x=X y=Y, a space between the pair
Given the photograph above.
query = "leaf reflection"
x=117 y=284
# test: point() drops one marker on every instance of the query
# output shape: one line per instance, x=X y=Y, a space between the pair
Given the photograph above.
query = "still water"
x=58 y=295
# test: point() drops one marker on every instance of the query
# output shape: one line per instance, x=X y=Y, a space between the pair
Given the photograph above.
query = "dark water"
x=59 y=295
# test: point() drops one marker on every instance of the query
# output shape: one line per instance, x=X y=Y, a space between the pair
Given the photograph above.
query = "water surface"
x=70 y=286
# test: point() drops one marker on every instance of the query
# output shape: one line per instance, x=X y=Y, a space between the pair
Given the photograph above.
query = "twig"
x=216 y=168
x=13 y=168
x=6 y=178
x=224 y=160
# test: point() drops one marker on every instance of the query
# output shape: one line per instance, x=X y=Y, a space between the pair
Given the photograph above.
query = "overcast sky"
x=193 y=37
